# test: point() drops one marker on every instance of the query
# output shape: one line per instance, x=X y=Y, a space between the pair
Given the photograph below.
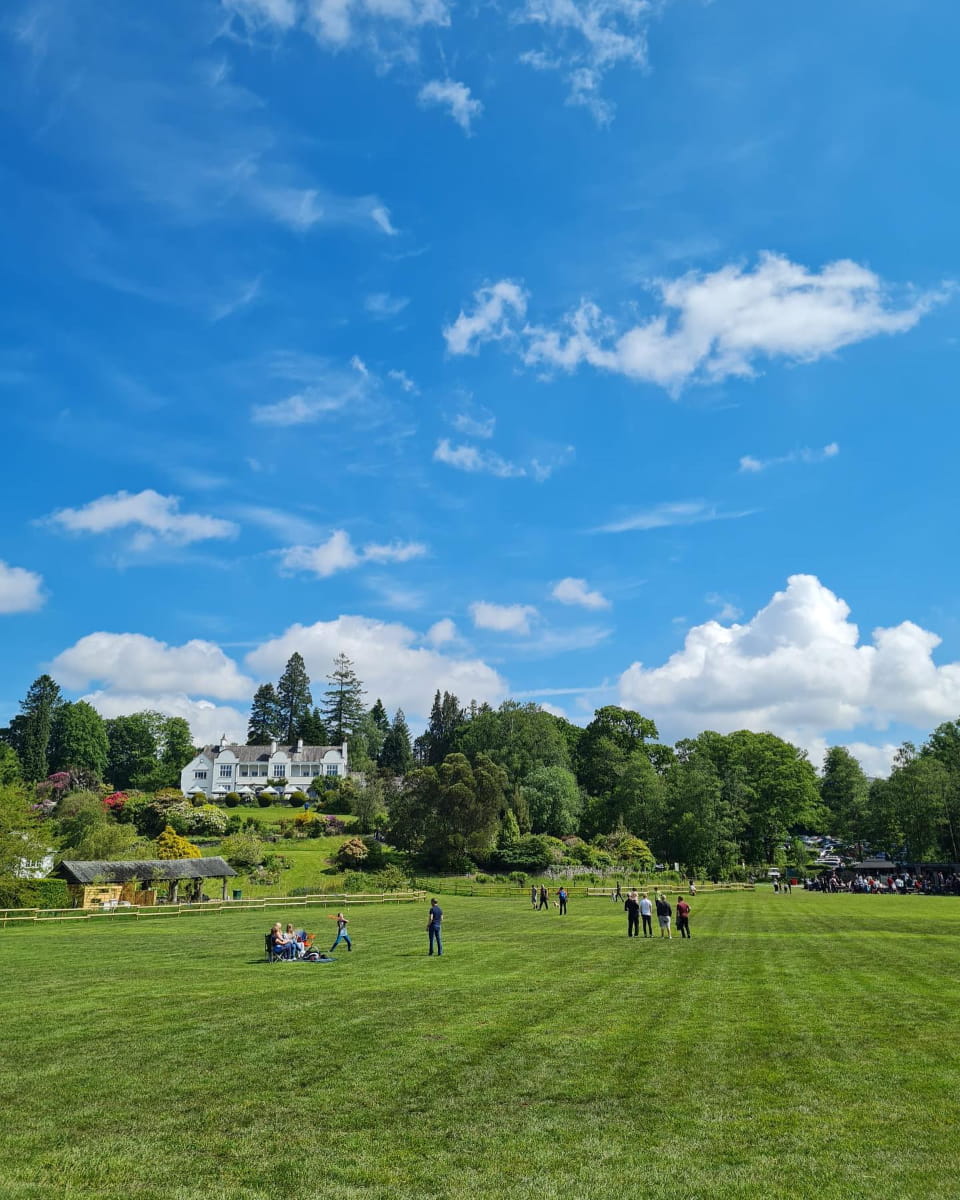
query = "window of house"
x=226 y=771
x=331 y=768
x=279 y=770
x=243 y=771
x=261 y=769
x=199 y=774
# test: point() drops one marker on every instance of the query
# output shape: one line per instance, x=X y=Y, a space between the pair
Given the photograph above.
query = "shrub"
x=533 y=851
x=351 y=854
x=115 y=801
x=376 y=854
x=264 y=801
x=481 y=878
x=298 y=799
x=34 y=893
x=171 y=845
x=232 y=799
x=243 y=851
x=518 y=877
x=209 y=820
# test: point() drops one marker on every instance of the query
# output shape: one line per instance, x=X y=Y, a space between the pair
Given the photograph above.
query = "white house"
x=229 y=767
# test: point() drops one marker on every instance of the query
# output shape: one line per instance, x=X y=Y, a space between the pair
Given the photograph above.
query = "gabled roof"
x=144 y=868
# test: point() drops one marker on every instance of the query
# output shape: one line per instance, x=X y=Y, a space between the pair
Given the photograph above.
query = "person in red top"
x=683 y=917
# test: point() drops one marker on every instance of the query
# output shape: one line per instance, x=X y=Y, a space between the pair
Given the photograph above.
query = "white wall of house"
x=221 y=767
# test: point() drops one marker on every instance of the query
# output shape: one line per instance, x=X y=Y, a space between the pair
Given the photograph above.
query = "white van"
x=773 y=873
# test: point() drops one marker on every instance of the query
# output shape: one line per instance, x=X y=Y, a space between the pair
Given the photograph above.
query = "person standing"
x=544 y=898
x=632 y=907
x=533 y=895
x=342 y=935
x=664 y=913
x=562 y=900
x=646 y=912
x=683 y=917
x=433 y=927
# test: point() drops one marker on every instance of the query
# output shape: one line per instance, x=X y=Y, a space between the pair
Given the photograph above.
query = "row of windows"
x=259 y=771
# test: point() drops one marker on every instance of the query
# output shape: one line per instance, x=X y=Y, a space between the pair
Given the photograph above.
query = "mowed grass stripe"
x=797 y=1045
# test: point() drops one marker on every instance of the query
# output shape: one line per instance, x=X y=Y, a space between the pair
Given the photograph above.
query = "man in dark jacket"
x=433 y=927
x=664 y=913
x=632 y=907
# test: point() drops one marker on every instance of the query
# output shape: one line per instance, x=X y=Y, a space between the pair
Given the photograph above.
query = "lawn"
x=797 y=1046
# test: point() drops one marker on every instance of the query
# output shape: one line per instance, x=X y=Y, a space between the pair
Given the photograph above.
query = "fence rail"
x=136 y=912
x=466 y=888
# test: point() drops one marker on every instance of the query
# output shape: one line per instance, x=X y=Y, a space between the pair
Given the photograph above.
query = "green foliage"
x=20 y=834
x=265 y=719
x=343 y=700
x=845 y=793
x=243 y=851
x=133 y=748
x=208 y=821
x=445 y=816
x=33 y=893
x=78 y=741
x=298 y=799
x=532 y=852
x=367 y=805
x=35 y=727
x=294 y=701
x=312 y=729
x=553 y=799
x=396 y=754
x=607 y=744
x=9 y=765
x=351 y=854
x=232 y=799
x=519 y=737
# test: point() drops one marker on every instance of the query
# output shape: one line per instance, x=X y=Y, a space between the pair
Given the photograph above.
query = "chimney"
x=273 y=747
x=299 y=744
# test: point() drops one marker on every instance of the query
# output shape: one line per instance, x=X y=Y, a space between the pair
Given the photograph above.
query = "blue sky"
x=586 y=350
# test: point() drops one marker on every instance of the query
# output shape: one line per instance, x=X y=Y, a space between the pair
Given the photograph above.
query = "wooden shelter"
x=93 y=884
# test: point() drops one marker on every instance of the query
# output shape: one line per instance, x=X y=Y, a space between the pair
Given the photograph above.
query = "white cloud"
x=259 y=14
x=386 y=658
x=207 y=721
x=711 y=326
x=726 y=609
x=382 y=304
x=153 y=516
x=338 y=553
x=404 y=380
x=476 y=461
x=20 y=589
x=575 y=591
x=586 y=39
x=442 y=633
x=752 y=465
x=380 y=24
x=331 y=390
x=799 y=669
x=661 y=516
x=494 y=307
x=503 y=618
x=135 y=663
x=478 y=424
x=453 y=96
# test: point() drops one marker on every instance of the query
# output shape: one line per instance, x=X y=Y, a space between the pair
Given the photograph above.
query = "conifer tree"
x=294 y=700
x=312 y=729
x=264 y=724
x=343 y=700
x=397 y=754
x=38 y=709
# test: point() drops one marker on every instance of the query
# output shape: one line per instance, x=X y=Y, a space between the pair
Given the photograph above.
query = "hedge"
x=34 y=893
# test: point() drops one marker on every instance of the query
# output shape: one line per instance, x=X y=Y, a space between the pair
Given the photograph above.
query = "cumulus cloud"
x=20 y=589
x=338 y=553
x=135 y=663
x=503 y=618
x=387 y=658
x=798 y=668
x=153 y=516
x=494 y=309
x=661 y=516
x=442 y=633
x=751 y=465
x=453 y=96
x=710 y=327
x=264 y=14
x=207 y=721
x=478 y=423
x=575 y=591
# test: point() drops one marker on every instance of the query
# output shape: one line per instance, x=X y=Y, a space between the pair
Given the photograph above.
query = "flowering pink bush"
x=115 y=801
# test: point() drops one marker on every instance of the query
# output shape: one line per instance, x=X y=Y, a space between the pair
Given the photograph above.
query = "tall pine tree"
x=37 y=709
x=312 y=729
x=397 y=754
x=294 y=700
x=343 y=700
x=264 y=724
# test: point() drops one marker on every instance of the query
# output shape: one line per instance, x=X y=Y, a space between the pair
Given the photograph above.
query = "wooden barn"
x=99 y=884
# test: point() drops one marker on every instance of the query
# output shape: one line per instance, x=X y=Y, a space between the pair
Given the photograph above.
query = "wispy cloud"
x=338 y=553
x=479 y=461
x=455 y=98
x=477 y=423
x=495 y=308
x=382 y=304
x=245 y=294
x=661 y=516
x=330 y=390
x=503 y=618
x=751 y=465
x=576 y=592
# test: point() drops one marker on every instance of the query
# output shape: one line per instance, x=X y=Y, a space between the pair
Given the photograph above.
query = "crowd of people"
x=289 y=945
x=901 y=883
x=638 y=908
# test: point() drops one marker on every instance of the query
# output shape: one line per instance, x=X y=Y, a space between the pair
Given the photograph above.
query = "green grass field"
x=797 y=1046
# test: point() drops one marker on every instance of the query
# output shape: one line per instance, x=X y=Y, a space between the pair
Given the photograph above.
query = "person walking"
x=632 y=907
x=664 y=913
x=342 y=935
x=683 y=917
x=618 y=895
x=544 y=898
x=646 y=912
x=533 y=895
x=562 y=900
x=434 y=923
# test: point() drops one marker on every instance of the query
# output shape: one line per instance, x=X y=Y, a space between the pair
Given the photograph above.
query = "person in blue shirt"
x=562 y=898
x=342 y=935
x=433 y=927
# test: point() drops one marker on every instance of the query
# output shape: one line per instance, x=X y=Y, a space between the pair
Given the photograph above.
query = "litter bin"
x=237 y=895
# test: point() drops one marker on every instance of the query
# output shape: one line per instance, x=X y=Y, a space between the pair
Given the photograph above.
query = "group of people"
x=540 y=898
x=901 y=883
x=641 y=908
x=290 y=944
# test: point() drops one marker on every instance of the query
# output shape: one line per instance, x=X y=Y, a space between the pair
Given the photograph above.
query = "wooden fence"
x=136 y=912
x=464 y=887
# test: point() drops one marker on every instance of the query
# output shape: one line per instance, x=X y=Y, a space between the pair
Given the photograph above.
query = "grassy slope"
x=797 y=1046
